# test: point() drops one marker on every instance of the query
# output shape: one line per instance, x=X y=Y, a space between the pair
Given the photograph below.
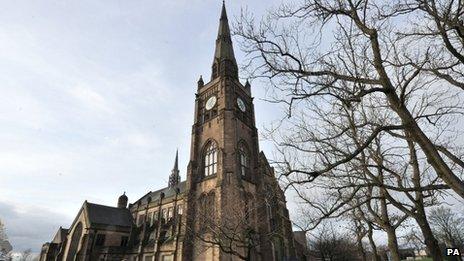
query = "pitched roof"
x=60 y=235
x=168 y=192
x=106 y=215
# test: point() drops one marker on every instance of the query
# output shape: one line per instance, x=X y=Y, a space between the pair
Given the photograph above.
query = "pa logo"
x=453 y=252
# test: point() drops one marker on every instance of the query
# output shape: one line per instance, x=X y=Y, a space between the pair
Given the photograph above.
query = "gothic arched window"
x=207 y=210
x=244 y=159
x=210 y=159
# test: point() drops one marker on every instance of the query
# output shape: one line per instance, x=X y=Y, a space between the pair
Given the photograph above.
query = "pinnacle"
x=223 y=12
x=176 y=161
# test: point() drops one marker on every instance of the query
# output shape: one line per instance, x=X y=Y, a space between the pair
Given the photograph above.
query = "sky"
x=95 y=98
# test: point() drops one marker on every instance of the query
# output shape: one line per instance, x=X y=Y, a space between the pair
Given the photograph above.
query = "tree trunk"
x=431 y=152
x=408 y=121
x=430 y=241
x=393 y=243
x=376 y=256
x=420 y=216
x=360 y=247
x=387 y=226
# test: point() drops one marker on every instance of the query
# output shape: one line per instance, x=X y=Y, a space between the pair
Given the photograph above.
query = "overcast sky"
x=95 y=97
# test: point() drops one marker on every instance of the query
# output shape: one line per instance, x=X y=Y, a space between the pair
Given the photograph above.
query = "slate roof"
x=168 y=192
x=100 y=214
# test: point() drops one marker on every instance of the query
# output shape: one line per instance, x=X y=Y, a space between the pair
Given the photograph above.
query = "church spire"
x=224 y=63
x=176 y=161
x=174 y=178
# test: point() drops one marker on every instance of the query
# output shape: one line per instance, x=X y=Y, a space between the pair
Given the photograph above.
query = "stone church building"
x=230 y=207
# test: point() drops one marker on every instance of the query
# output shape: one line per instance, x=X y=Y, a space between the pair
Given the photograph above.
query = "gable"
x=106 y=215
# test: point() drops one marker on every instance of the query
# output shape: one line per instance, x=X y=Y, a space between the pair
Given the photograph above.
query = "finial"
x=200 y=81
x=247 y=84
x=122 y=201
x=223 y=12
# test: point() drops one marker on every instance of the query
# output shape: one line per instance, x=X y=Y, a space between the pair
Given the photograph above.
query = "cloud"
x=90 y=93
x=90 y=99
x=30 y=226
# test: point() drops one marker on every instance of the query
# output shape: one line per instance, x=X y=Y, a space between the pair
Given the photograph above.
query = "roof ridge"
x=182 y=182
x=101 y=205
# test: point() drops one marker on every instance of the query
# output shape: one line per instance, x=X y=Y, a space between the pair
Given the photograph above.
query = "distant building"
x=230 y=205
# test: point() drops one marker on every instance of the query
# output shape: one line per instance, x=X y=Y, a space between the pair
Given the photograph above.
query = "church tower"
x=229 y=208
x=222 y=175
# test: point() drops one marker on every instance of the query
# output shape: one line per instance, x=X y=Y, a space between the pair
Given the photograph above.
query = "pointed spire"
x=174 y=178
x=176 y=161
x=224 y=63
x=223 y=11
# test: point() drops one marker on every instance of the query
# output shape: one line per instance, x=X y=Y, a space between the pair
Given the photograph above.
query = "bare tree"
x=448 y=226
x=235 y=236
x=238 y=229
x=5 y=246
x=26 y=255
x=366 y=62
x=3 y=236
x=361 y=232
x=380 y=181
x=439 y=24
x=373 y=245
x=329 y=244
x=368 y=205
x=371 y=106
x=414 y=240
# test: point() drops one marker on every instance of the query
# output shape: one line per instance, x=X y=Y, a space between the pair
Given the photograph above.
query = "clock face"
x=210 y=102
x=241 y=104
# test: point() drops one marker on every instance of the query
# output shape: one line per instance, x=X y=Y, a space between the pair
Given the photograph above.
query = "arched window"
x=74 y=244
x=210 y=157
x=244 y=159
